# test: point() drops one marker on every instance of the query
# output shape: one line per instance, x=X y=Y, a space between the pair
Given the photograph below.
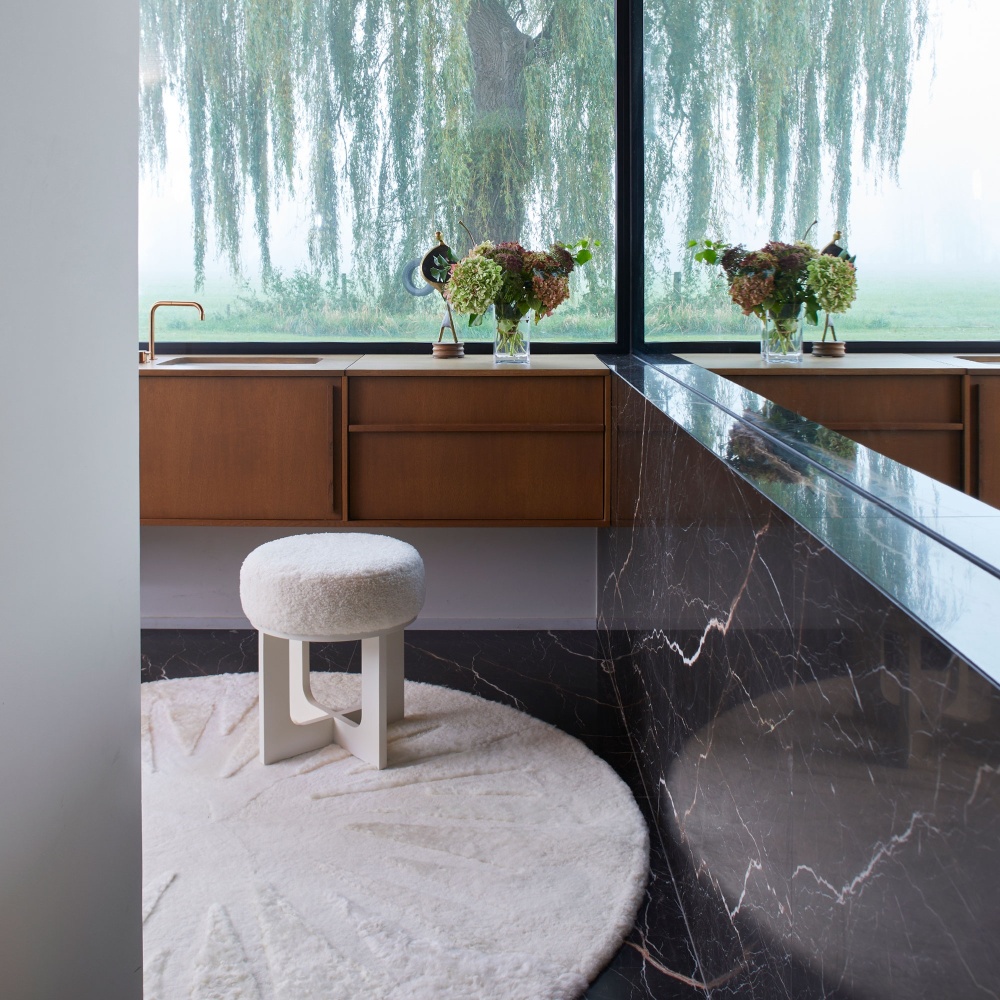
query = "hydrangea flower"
x=833 y=281
x=474 y=284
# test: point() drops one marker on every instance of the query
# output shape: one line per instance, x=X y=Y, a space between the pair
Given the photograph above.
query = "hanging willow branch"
x=406 y=115
x=792 y=75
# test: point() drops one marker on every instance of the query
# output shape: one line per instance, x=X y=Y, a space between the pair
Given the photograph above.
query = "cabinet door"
x=238 y=449
x=916 y=420
x=474 y=449
x=986 y=392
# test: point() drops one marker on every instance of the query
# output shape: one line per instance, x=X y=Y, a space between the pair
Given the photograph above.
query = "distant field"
x=886 y=309
x=232 y=317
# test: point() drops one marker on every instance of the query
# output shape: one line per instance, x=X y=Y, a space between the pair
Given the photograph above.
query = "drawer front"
x=937 y=454
x=239 y=449
x=486 y=399
x=858 y=399
x=477 y=476
x=987 y=439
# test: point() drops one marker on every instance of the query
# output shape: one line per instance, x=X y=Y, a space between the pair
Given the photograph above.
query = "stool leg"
x=391 y=655
x=304 y=708
x=381 y=699
x=280 y=737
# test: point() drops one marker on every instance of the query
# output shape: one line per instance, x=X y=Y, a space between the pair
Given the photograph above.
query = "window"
x=298 y=156
x=870 y=118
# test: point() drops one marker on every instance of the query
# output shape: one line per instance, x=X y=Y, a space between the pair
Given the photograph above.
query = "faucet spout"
x=148 y=357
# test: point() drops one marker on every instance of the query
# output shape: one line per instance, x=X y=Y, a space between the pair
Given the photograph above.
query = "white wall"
x=477 y=578
x=69 y=659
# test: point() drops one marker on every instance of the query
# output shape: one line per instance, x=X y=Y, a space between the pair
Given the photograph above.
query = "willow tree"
x=768 y=93
x=407 y=115
x=402 y=115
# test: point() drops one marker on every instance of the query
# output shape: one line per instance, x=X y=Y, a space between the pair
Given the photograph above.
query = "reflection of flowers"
x=805 y=430
x=751 y=452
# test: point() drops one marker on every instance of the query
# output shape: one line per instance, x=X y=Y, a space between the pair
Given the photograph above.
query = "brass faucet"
x=148 y=357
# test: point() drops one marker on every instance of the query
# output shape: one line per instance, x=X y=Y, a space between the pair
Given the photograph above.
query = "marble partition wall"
x=804 y=640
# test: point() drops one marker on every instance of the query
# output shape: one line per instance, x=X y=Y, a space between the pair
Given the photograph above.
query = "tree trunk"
x=501 y=174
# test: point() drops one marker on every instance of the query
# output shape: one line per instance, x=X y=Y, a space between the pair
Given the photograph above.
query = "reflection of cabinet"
x=984 y=392
x=477 y=447
x=916 y=418
x=239 y=449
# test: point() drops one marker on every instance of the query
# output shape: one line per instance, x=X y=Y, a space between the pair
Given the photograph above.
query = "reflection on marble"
x=822 y=771
x=903 y=531
x=954 y=517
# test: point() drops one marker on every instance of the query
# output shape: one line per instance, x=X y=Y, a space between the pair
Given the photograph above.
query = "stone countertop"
x=850 y=364
x=476 y=364
x=375 y=364
x=931 y=549
x=330 y=364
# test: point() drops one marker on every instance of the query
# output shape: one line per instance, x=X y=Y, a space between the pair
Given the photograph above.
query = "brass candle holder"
x=434 y=264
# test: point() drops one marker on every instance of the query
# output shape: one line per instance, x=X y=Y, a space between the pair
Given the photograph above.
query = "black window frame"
x=630 y=329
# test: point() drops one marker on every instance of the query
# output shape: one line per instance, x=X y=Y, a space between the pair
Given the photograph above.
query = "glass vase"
x=781 y=336
x=512 y=344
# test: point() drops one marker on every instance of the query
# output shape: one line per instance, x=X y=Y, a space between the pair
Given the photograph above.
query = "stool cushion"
x=330 y=586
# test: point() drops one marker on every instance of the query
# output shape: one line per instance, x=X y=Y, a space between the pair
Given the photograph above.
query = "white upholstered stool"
x=333 y=587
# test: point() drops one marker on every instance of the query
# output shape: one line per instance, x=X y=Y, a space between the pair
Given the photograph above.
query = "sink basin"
x=240 y=359
x=983 y=359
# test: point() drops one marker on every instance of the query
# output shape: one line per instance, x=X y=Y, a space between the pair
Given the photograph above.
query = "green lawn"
x=949 y=308
x=886 y=309
x=233 y=316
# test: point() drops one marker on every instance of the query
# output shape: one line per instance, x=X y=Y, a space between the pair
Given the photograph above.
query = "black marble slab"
x=821 y=763
x=920 y=542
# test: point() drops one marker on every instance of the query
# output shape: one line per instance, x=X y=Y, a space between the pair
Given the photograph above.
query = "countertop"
x=931 y=549
x=379 y=364
x=329 y=364
x=850 y=364
x=475 y=364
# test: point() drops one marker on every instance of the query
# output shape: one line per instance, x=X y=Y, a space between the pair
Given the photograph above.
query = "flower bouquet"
x=516 y=282
x=780 y=282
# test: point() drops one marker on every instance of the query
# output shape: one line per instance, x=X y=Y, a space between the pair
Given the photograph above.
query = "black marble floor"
x=565 y=679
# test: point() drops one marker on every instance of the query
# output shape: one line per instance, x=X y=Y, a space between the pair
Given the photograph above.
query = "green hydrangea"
x=475 y=282
x=833 y=281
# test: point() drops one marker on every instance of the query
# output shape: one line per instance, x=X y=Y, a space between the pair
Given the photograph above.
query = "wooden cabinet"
x=916 y=418
x=246 y=450
x=478 y=448
x=984 y=392
x=400 y=442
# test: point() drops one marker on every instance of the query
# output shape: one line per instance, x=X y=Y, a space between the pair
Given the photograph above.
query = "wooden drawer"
x=479 y=448
x=854 y=400
x=935 y=453
x=238 y=449
x=497 y=400
x=986 y=438
x=493 y=476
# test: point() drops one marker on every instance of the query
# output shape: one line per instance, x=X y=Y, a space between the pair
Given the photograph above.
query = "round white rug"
x=496 y=857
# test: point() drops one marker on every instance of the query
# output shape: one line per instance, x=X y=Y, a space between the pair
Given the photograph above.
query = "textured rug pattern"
x=496 y=857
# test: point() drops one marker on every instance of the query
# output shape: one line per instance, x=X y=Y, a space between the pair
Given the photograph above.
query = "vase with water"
x=781 y=335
